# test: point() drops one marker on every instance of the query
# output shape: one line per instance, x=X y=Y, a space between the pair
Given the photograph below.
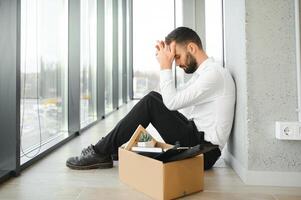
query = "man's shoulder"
x=213 y=70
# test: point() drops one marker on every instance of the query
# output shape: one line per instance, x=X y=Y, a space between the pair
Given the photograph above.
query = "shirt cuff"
x=165 y=75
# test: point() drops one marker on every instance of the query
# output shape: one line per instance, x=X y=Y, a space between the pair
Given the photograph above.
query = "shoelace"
x=88 y=150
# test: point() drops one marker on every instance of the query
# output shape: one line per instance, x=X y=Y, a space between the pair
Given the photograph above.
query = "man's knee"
x=152 y=96
x=154 y=93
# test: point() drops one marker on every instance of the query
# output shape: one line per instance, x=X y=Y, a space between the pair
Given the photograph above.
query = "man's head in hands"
x=184 y=46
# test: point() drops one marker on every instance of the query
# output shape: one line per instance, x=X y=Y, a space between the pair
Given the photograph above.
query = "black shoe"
x=89 y=159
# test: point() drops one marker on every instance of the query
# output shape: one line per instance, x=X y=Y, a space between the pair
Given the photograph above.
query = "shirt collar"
x=204 y=65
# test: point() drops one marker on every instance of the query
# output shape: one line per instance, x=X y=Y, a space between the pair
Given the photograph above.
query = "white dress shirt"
x=208 y=98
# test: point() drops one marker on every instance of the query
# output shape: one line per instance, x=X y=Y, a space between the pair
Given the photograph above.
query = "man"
x=199 y=112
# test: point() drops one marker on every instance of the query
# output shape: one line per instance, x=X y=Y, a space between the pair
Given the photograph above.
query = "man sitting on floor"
x=200 y=112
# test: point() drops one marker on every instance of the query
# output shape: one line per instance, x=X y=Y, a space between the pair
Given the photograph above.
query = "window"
x=152 y=20
x=129 y=50
x=88 y=109
x=214 y=29
x=180 y=74
x=44 y=65
x=121 y=52
x=108 y=56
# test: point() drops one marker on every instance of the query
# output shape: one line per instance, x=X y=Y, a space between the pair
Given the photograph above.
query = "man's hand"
x=165 y=54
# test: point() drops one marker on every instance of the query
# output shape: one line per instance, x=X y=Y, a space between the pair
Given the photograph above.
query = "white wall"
x=260 y=52
x=272 y=82
x=235 y=60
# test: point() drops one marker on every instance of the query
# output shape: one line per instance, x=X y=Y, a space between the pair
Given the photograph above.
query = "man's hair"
x=184 y=35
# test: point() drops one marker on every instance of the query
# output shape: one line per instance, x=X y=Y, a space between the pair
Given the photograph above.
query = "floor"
x=50 y=179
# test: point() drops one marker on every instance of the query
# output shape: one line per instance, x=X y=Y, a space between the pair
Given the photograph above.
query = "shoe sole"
x=95 y=166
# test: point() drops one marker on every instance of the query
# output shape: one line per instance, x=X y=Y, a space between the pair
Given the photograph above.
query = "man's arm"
x=204 y=89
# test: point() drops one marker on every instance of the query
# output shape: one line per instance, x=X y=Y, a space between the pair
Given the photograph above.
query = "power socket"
x=288 y=130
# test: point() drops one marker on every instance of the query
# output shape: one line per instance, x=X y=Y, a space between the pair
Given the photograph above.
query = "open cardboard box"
x=157 y=179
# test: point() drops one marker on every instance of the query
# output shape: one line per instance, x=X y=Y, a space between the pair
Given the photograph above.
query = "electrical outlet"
x=288 y=130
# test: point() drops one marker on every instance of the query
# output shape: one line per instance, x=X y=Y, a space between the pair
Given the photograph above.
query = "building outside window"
x=88 y=69
x=152 y=20
x=44 y=67
x=108 y=56
x=121 y=52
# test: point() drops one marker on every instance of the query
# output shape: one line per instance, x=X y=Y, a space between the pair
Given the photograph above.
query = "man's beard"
x=191 y=64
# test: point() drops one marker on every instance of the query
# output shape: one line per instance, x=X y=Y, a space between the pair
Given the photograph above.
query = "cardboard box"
x=157 y=179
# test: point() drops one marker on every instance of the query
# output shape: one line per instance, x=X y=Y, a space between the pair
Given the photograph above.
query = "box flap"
x=135 y=138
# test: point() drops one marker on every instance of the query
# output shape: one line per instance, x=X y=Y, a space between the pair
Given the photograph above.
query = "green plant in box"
x=145 y=137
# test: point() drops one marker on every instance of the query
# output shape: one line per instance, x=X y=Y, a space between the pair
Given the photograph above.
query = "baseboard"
x=267 y=178
x=236 y=165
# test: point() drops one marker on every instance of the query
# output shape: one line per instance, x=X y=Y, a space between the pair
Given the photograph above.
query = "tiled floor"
x=50 y=179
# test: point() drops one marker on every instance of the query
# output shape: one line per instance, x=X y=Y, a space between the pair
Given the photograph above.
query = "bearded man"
x=199 y=112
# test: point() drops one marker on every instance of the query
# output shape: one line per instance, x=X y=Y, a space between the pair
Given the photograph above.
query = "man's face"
x=185 y=60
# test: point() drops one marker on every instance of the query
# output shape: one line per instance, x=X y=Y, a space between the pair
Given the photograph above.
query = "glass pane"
x=120 y=51
x=214 y=29
x=108 y=56
x=88 y=110
x=44 y=67
x=128 y=52
x=180 y=74
x=152 y=20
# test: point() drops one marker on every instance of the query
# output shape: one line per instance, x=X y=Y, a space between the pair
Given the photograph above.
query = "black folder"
x=180 y=153
x=191 y=152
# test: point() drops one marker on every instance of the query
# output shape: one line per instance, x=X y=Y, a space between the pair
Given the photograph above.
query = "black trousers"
x=172 y=126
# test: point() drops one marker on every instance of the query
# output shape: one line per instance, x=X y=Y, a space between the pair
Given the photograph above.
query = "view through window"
x=108 y=56
x=121 y=52
x=88 y=109
x=214 y=29
x=152 y=21
x=44 y=59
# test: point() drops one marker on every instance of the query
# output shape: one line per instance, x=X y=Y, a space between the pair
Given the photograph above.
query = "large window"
x=60 y=53
x=214 y=29
x=180 y=74
x=129 y=49
x=108 y=56
x=44 y=57
x=88 y=110
x=152 y=20
x=121 y=52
